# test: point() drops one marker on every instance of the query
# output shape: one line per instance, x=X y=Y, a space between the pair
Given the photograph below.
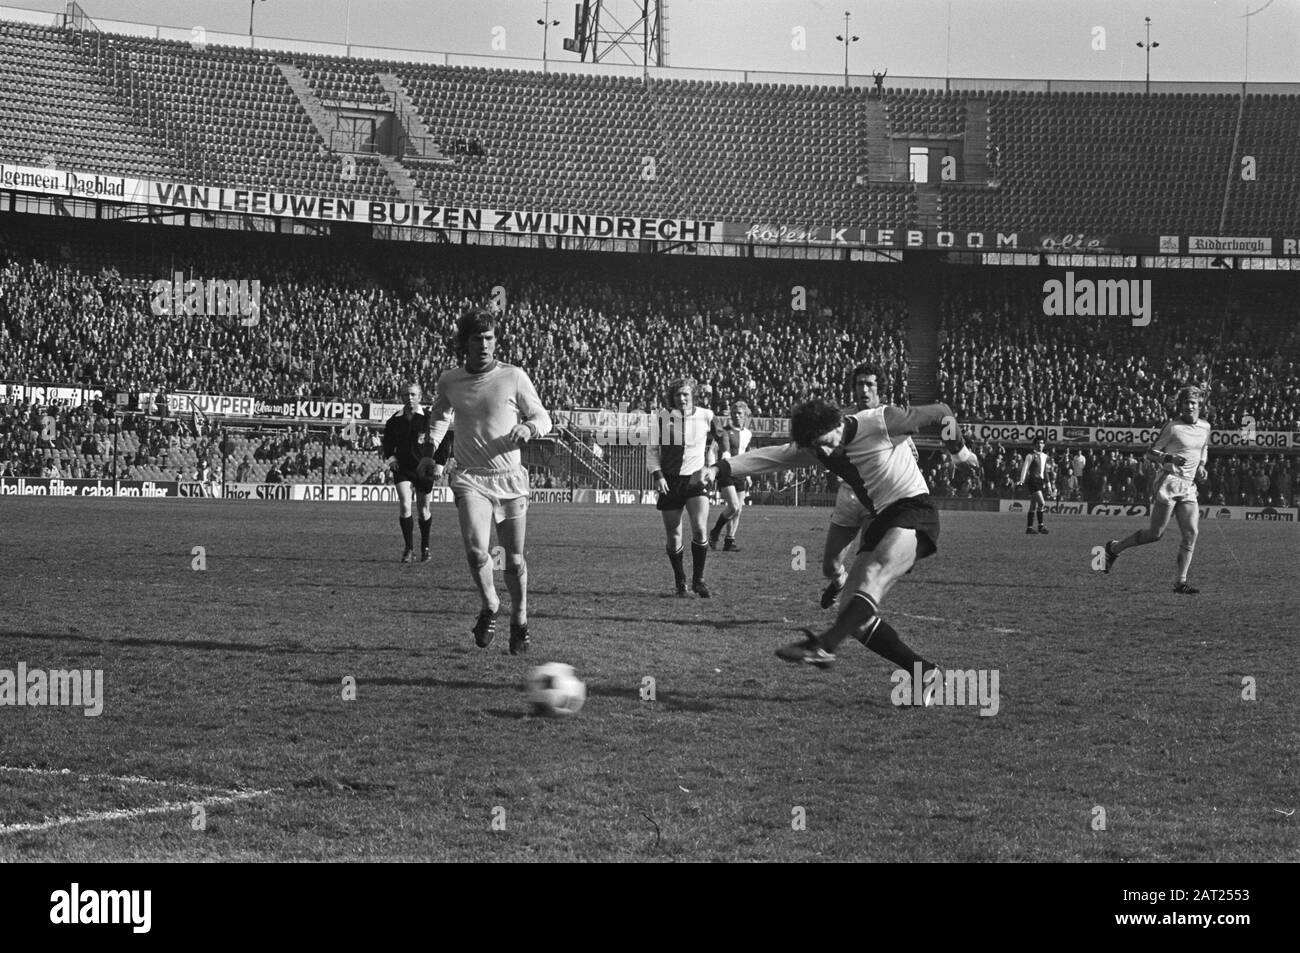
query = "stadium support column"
x=921 y=290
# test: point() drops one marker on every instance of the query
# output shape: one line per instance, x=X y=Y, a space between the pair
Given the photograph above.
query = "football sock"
x=517 y=584
x=884 y=641
x=1029 y=520
x=424 y=531
x=729 y=540
x=408 y=524
x=679 y=573
x=699 y=552
x=717 y=527
x=1040 y=519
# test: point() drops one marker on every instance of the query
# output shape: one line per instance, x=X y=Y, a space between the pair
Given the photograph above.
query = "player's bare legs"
x=1188 y=514
x=729 y=521
x=1037 y=504
x=511 y=534
x=871 y=577
x=838 y=539
x=1161 y=510
x=475 y=514
x=405 y=516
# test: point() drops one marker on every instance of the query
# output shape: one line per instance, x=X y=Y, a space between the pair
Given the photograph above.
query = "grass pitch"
x=223 y=688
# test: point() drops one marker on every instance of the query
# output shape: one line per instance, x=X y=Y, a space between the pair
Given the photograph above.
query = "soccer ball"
x=553 y=689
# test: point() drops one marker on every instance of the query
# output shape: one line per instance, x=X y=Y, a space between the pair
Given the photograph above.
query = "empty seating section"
x=53 y=104
x=782 y=155
x=926 y=114
x=552 y=142
x=762 y=154
x=338 y=79
x=1103 y=162
x=242 y=124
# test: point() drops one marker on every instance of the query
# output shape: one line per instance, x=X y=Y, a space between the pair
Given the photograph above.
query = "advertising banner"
x=140 y=489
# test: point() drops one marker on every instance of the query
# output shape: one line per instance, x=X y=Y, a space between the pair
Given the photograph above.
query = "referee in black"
x=404 y=446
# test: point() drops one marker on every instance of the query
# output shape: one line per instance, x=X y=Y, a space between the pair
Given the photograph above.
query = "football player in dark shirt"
x=404 y=445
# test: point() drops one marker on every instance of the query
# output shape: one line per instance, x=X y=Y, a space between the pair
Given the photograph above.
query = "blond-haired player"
x=1181 y=451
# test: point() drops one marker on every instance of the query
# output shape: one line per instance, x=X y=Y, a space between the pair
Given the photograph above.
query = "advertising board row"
x=181 y=196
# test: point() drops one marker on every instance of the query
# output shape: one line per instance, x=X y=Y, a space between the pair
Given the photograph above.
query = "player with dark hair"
x=680 y=447
x=497 y=411
x=1033 y=476
x=403 y=448
x=868 y=451
x=849 y=515
x=1181 y=451
x=733 y=436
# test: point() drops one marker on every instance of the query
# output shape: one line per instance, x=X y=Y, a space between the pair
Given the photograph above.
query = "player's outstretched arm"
x=761 y=460
x=902 y=423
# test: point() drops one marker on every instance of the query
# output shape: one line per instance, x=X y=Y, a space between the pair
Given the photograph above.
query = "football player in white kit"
x=733 y=436
x=849 y=515
x=1181 y=450
x=868 y=450
x=681 y=445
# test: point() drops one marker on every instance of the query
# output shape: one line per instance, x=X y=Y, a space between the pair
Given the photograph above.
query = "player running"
x=403 y=447
x=733 y=437
x=1033 y=475
x=849 y=515
x=868 y=451
x=1181 y=450
x=497 y=410
x=681 y=446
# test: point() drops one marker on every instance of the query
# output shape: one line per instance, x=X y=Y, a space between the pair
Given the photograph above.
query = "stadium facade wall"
x=46 y=18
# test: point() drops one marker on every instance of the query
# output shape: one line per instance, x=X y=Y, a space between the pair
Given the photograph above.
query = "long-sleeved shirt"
x=878 y=470
x=486 y=406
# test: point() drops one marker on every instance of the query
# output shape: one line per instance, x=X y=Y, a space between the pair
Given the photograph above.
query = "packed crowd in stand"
x=352 y=322
x=595 y=333
x=1002 y=359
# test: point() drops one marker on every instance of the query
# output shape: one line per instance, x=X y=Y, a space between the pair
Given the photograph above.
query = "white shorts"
x=506 y=490
x=849 y=511
x=1171 y=488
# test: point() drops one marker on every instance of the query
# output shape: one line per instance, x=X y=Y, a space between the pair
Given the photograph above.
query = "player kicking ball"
x=849 y=515
x=868 y=451
x=497 y=411
x=1181 y=450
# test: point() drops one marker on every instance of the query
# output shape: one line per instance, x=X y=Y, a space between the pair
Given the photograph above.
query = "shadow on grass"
x=205 y=645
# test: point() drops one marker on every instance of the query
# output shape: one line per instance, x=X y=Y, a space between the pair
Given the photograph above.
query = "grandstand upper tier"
x=291 y=121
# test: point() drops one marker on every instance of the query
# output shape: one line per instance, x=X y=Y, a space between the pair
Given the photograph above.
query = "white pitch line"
x=125 y=813
x=937 y=618
x=124 y=778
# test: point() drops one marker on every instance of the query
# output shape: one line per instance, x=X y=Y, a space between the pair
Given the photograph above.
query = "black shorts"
x=913 y=512
x=679 y=491
x=740 y=483
x=410 y=476
x=1034 y=484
